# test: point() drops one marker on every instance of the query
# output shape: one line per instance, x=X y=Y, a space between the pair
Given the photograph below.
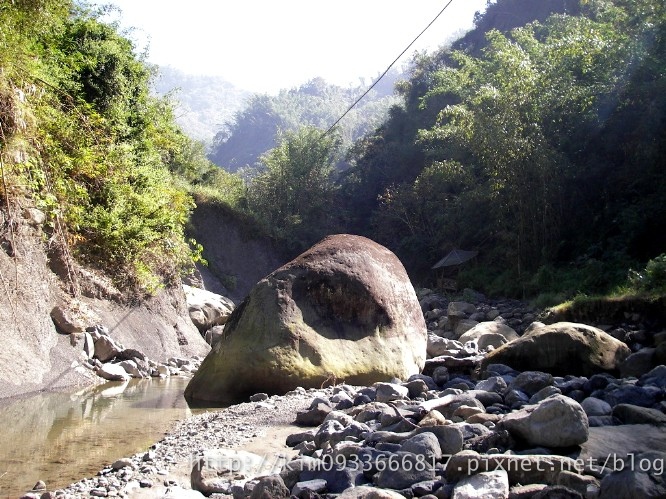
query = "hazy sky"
x=265 y=45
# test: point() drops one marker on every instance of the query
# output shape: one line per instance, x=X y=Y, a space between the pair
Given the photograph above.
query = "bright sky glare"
x=266 y=45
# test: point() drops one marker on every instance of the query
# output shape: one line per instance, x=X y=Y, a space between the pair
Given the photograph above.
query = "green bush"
x=652 y=279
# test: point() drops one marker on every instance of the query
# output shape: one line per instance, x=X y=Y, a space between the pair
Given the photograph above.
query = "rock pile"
x=466 y=426
x=208 y=311
x=111 y=361
x=512 y=434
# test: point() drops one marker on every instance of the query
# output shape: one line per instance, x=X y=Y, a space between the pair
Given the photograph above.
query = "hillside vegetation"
x=83 y=141
x=537 y=140
x=540 y=145
x=255 y=129
x=202 y=103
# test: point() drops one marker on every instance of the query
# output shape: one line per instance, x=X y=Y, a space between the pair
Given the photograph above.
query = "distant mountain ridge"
x=205 y=102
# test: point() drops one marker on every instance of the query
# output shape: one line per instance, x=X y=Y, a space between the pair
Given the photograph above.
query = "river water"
x=65 y=436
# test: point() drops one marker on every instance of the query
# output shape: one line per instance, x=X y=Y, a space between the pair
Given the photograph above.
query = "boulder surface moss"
x=343 y=310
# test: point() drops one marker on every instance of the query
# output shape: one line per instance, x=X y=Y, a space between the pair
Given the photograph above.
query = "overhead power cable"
x=385 y=72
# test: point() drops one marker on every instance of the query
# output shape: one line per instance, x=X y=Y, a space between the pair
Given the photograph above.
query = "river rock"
x=113 y=372
x=489 y=333
x=523 y=469
x=643 y=477
x=423 y=444
x=207 y=309
x=530 y=382
x=633 y=414
x=403 y=470
x=596 y=407
x=558 y=421
x=73 y=318
x=487 y=484
x=638 y=363
x=213 y=472
x=343 y=310
x=106 y=349
x=388 y=392
x=656 y=377
x=563 y=348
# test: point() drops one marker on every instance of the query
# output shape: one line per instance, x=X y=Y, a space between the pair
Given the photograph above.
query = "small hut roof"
x=455 y=257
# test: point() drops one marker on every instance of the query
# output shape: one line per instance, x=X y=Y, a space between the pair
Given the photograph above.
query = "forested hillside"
x=545 y=152
x=254 y=129
x=84 y=143
x=541 y=145
x=202 y=103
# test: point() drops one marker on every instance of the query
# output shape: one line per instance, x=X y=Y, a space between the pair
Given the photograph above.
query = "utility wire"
x=387 y=70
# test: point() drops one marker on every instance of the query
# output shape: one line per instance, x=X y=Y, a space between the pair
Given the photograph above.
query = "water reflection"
x=63 y=437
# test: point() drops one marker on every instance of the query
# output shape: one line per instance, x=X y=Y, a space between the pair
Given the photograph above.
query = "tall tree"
x=293 y=196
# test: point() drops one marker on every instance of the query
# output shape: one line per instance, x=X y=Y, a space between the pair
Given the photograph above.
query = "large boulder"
x=343 y=310
x=561 y=349
x=207 y=309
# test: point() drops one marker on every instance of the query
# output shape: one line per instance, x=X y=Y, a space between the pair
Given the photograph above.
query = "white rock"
x=207 y=309
x=487 y=484
x=113 y=372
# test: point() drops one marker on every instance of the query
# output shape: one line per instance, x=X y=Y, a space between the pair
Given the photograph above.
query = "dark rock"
x=313 y=417
x=259 y=397
x=337 y=478
x=486 y=398
x=596 y=407
x=516 y=399
x=362 y=400
x=326 y=432
x=526 y=469
x=530 y=382
x=440 y=375
x=423 y=444
x=544 y=393
x=492 y=384
x=598 y=382
x=430 y=383
x=500 y=439
x=270 y=487
x=632 y=414
x=416 y=388
x=656 y=377
x=388 y=392
x=403 y=470
x=637 y=364
x=644 y=479
x=292 y=470
x=644 y=396
x=557 y=492
x=296 y=438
